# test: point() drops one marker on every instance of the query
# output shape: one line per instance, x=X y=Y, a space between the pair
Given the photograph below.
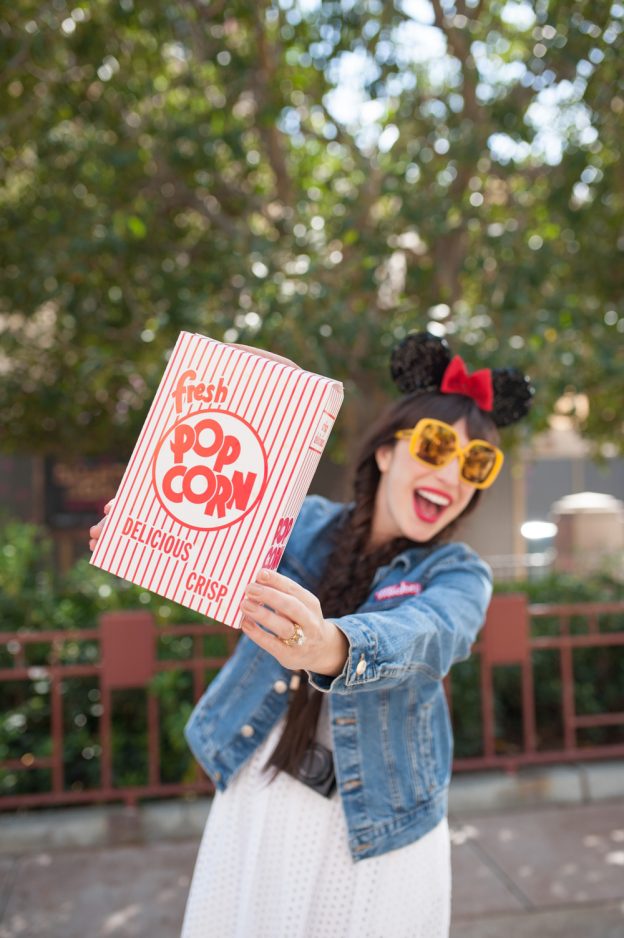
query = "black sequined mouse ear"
x=419 y=361
x=513 y=393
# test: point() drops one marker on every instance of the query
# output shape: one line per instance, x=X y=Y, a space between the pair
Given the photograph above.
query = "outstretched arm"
x=421 y=635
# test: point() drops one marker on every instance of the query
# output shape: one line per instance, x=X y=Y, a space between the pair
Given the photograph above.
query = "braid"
x=343 y=587
x=351 y=565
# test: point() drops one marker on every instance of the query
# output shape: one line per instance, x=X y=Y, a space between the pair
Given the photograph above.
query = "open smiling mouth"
x=429 y=504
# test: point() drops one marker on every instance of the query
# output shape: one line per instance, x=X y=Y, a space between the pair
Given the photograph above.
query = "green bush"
x=566 y=588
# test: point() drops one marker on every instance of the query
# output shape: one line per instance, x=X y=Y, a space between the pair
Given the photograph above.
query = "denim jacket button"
x=360 y=667
x=295 y=681
x=247 y=730
x=280 y=687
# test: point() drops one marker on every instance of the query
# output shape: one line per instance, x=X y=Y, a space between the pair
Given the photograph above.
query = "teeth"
x=432 y=497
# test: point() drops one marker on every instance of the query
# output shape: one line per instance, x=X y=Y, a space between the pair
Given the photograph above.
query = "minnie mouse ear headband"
x=423 y=362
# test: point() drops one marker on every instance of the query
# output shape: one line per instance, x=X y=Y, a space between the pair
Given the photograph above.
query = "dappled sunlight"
x=463 y=834
x=120 y=919
x=43 y=859
x=593 y=840
x=547 y=857
x=134 y=892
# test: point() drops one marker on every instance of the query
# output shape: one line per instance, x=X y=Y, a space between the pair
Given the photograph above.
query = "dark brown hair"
x=352 y=563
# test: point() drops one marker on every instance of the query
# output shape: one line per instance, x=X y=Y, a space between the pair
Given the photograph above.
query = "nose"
x=450 y=474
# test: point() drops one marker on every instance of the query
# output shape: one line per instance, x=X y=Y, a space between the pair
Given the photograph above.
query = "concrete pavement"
x=539 y=873
x=550 y=868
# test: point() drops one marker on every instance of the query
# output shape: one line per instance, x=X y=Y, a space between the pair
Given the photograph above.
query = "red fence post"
x=128 y=659
x=128 y=649
x=505 y=640
x=567 y=685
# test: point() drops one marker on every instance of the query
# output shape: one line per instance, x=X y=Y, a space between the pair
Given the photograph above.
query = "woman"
x=327 y=734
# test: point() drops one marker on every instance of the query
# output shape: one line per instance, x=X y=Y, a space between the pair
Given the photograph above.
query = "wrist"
x=336 y=648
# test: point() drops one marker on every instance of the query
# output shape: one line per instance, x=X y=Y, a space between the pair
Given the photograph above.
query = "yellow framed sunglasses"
x=435 y=444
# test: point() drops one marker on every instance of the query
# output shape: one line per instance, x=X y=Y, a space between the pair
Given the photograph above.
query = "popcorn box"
x=218 y=475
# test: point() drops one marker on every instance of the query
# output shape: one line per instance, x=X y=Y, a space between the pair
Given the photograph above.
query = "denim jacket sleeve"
x=423 y=634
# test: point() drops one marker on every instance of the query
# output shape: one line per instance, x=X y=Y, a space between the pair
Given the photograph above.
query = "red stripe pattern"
x=218 y=475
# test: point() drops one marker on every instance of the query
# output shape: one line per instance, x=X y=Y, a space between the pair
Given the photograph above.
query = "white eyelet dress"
x=274 y=862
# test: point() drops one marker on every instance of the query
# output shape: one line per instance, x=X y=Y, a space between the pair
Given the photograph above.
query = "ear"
x=383 y=457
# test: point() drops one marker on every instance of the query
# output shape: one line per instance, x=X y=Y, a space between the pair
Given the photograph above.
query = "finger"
x=265 y=354
x=292 y=607
x=279 y=625
x=108 y=506
x=266 y=641
x=274 y=580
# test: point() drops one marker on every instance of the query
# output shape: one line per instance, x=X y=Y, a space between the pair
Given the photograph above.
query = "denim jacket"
x=390 y=727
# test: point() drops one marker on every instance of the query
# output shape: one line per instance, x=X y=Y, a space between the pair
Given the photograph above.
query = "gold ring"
x=297 y=637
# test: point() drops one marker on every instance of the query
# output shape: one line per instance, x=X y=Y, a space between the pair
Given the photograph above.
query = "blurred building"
x=535 y=486
x=590 y=533
x=64 y=496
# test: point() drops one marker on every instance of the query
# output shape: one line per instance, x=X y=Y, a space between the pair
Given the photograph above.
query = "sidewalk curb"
x=577 y=783
x=157 y=821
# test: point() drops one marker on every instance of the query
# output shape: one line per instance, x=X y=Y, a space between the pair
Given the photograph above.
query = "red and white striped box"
x=218 y=475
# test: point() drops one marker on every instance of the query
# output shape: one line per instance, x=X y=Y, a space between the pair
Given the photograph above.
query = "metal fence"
x=512 y=636
x=126 y=657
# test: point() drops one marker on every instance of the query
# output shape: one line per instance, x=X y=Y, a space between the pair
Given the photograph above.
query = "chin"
x=421 y=534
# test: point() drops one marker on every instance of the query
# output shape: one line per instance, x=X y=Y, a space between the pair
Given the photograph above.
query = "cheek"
x=461 y=504
x=401 y=472
x=466 y=497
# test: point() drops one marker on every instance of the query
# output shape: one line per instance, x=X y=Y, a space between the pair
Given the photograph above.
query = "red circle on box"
x=252 y=458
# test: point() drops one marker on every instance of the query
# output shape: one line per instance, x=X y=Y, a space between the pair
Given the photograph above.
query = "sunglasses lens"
x=437 y=444
x=479 y=463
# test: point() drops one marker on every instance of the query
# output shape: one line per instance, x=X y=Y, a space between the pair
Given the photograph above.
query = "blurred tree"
x=316 y=178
